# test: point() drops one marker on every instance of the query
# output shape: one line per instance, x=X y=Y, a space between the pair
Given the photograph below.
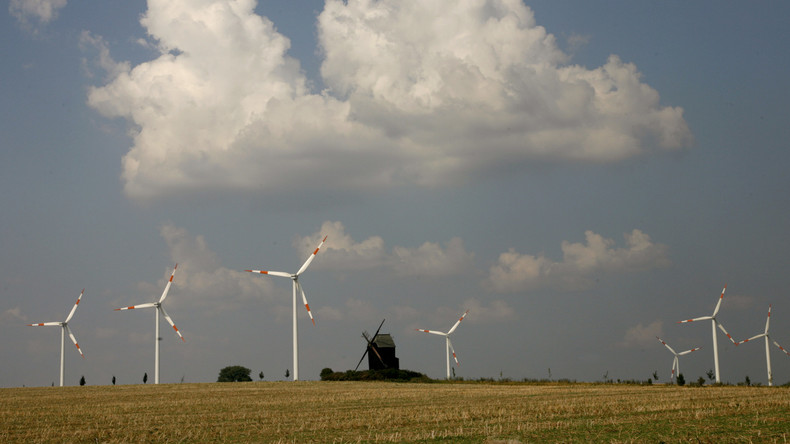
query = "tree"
x=113 y=379
x=655 y=375
x=287 y=373
x=711 y=374
x=680 y=379
x=82 y=380
x=260 y=375
x=234 y=373
x=145 y=378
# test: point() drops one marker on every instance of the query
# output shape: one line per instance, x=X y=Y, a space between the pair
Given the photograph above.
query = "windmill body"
x=380 y=350
x=448 y=344
x=297 y=287
x=767 y=337
x=157 y=306
x=714 y=323
x=676 y=360
x=64 y=328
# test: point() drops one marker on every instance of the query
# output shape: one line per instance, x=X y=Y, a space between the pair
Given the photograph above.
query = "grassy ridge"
x=393 y=412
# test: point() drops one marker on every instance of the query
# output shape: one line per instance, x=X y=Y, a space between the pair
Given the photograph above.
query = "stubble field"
x=394 y=412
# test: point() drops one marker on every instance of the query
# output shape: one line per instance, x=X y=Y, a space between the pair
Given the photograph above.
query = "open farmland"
x=394 y=412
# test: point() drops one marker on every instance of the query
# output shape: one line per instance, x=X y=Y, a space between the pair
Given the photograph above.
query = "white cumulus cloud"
x=201 y=279
x=417 y=92
x=344 y=253
x=582 y=262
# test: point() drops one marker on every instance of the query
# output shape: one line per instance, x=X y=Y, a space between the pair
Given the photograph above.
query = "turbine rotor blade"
x=73 y=339
x=47 y=324
x=132 y=307
x=768 y=319
x=75 y=307
x=703 y=318
x=781 y=348
x=453 y=351
x=666 y=345
x=167 y=287
x=304 y=299
x=272 y=273
x=433 y=332
x=718 y=304
x=751 y=339
x=170 y=321
x=459 y=321
x=312 y=256
x=689 y=351
x=721 y=327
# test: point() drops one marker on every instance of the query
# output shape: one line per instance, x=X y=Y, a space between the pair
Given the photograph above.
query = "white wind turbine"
x=767 y=346
x=64 y=328
x=158 y=306
x=296 y=287
x=448 y=344
x=676 y=361
x=714 y=323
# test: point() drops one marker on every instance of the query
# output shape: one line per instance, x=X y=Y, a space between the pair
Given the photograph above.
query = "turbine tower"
x=158 y=308
x=714 y=323
x=64 y=328
x=767 y=346
x=448 y=344
x=296 y=287
x=676 y=361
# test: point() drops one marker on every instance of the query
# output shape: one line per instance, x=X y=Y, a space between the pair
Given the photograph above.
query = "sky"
x=579 y=178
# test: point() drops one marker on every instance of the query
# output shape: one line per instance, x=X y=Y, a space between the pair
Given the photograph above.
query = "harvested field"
x=394 y=412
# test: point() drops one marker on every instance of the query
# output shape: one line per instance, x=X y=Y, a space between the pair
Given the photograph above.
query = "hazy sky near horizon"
x=579 y=177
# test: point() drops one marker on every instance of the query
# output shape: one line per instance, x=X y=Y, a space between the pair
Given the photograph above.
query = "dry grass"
x=390 y=412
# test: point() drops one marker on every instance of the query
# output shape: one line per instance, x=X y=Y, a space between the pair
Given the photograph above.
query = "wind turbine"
x=296 y=287
x=159 y=308
x=714 y=323
x=676 y=361
x=448 y=344
x=767 y=346
x=64 y=328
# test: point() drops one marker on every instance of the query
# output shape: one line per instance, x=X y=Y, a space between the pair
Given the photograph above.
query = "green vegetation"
x=234 y=373
x=394 y=412
x=389 y=374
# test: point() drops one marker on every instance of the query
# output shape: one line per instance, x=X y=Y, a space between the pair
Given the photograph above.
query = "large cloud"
x=581 y=264
x=344 y=253
x=418 y=92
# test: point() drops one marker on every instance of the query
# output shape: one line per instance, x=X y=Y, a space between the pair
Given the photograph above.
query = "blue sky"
x=581 y=178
